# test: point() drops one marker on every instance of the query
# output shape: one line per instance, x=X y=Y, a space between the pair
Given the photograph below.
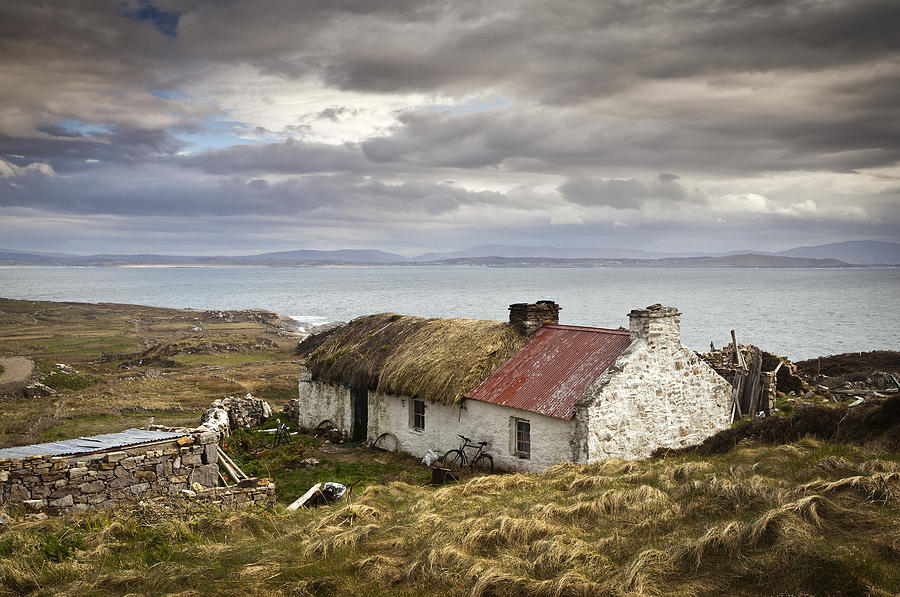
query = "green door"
x=360 y=414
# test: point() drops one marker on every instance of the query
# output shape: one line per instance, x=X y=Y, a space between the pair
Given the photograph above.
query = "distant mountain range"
x=862 y=252
x=841 y=254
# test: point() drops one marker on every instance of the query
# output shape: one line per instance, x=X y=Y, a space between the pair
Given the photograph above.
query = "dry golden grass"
x=755 y=521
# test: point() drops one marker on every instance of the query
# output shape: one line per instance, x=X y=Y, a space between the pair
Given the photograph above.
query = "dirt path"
x=15 y=369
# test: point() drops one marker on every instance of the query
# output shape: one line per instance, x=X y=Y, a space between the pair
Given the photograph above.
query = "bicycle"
x=481 y=463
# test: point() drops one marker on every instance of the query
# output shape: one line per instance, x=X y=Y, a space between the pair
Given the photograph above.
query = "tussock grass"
x=816 y=519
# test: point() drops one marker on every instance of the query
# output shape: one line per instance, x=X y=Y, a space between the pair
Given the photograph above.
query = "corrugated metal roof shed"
x=86 y=445
x=554 y=369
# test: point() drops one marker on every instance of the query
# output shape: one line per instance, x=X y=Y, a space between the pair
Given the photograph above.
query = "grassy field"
x=126 y=363
x=806 y=518
x=761 y=510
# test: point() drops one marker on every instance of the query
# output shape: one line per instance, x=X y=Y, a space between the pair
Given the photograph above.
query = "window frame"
x=415 y=416
x=521 y=438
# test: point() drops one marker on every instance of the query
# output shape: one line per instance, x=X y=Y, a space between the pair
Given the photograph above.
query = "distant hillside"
x=748 y=260
x=346 y=255
x=301 y=257
x=545 y=252
x=854 y=251
x=834 y=255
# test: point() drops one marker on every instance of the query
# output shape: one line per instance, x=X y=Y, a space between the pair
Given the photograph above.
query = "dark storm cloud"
x=163 y=190
x=69 y=151
x=622 y=193
x=601 y=102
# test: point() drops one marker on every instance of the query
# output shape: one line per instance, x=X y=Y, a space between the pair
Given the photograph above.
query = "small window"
x=417 y=414
x=523 y=438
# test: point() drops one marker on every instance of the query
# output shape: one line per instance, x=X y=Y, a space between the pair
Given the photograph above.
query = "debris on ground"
x=320 y=494
x=430 y=458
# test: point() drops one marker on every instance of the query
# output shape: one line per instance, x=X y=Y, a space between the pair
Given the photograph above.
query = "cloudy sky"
x=232 y=127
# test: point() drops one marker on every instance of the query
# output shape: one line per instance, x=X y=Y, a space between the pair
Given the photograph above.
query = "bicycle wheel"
x=453 y=460
x=483 y=465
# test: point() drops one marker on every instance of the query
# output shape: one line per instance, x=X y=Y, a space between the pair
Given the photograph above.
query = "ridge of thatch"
x=432 y=359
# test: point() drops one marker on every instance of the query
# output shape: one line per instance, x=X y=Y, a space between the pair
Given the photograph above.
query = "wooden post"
x=738 y=357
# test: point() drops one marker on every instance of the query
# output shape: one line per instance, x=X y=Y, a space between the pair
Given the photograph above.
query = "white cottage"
x=538 y=392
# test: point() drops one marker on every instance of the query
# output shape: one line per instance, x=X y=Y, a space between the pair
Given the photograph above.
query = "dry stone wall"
x=248 y=492
x=61 y=484
x=235 y=413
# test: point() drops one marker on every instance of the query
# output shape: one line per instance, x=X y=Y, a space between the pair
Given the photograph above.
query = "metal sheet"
x=85 y=445
x=553 y=370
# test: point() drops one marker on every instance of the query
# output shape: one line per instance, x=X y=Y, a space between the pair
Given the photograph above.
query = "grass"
x=802 y=518
x=344 y=463
x=107 y=389
x=797 y=516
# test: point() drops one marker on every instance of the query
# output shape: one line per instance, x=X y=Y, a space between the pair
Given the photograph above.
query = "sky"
x=234 y=127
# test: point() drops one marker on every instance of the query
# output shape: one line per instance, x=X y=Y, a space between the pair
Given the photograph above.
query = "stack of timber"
x=230 y=467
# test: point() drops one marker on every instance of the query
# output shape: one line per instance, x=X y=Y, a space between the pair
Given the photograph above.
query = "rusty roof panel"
x=553 y=370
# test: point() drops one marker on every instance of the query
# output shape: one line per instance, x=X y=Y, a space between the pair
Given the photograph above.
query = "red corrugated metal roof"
x=554 y=369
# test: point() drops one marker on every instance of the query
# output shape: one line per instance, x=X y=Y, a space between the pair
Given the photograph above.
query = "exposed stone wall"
x=259 y=492
x=655 y=324
x=61 y=484
x=527 y=318
x=657 y=394
x=235 y=413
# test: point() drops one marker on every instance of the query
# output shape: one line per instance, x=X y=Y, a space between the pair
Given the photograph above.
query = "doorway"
x=360 y=414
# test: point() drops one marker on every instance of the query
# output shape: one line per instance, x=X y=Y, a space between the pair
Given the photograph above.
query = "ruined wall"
x=318 y=401
x=61 y=484
x=657 y=394
x=232 y=412
x=479 y=421
x=249 y=491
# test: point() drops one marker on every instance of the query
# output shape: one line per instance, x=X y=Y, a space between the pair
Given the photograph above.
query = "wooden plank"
x=754 y=382
x=736 y=386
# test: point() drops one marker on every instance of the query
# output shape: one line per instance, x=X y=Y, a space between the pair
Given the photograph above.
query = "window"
x=417 y=414
x=523 y=438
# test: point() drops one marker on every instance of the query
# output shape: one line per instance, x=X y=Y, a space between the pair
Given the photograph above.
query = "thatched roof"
x=432 y=359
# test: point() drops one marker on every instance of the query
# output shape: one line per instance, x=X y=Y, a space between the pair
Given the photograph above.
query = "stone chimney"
x=528 y=317
x=655 y=323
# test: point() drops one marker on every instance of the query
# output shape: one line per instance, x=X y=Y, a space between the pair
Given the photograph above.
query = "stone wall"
x=657 y=394
x=61 y=484
x=234 y=413
x=527 y=318
x=260 y=492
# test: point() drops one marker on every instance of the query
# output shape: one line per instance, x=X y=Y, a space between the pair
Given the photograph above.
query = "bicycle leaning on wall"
x=480 y=463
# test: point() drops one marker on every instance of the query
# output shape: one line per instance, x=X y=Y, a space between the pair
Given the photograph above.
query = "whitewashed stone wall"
x=658 y=394
x=318 y=401
x=551 y=439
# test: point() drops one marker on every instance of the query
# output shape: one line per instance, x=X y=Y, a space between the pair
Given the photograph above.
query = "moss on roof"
x=432 y=359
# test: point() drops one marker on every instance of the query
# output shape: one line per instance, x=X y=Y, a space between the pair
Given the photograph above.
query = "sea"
x=799 y=313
